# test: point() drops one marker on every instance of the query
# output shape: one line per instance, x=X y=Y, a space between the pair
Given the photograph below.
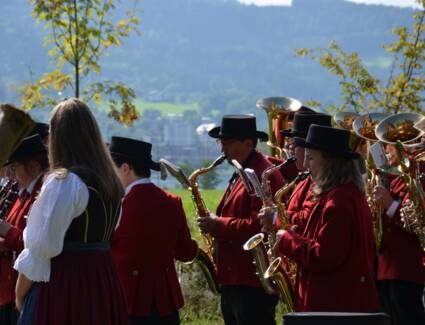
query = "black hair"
x=139 y=169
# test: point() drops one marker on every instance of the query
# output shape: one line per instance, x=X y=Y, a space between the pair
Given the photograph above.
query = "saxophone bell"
x=275 y=274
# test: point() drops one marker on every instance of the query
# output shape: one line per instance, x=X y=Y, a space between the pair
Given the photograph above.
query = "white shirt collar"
x=30 y=187
x=136 y=182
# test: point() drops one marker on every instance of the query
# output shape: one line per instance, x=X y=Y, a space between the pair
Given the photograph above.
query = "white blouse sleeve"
x=59 y=202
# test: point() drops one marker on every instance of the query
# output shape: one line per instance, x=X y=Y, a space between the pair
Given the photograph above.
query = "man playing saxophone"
x=243 y=300
x=153 y=232
x=401 y=269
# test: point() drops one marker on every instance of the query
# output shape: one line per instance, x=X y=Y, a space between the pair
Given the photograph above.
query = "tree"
x=404 y=89
x=80 y=33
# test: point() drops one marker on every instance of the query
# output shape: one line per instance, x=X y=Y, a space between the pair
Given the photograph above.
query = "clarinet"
x=8 y=195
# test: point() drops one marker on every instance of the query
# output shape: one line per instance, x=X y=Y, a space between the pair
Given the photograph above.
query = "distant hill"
x=220 y=54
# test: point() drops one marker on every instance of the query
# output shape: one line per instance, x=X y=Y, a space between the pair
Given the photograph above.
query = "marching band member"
x=153 y=232
x=66 y=272
x=28 y=164
x=335 y=251
x=301 y=201
x=243 y=300
x=401 y=259
x=290 y=171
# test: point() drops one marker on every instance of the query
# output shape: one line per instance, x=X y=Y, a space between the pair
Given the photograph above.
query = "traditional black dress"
x=67 y=256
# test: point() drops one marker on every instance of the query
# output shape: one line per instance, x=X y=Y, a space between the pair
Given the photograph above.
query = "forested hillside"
x=219 y=54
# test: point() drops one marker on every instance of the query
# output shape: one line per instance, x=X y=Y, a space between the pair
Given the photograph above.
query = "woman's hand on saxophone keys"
x=382 y=197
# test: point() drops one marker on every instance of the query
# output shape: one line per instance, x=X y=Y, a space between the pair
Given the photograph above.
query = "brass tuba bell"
x=344 y=120
x=364 y=125
x=399 y=127
x=278 y=111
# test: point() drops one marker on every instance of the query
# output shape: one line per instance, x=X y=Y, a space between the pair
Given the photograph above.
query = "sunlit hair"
x=75 y=144
x=335 y=172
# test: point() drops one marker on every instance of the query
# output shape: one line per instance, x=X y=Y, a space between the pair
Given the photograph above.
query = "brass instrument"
x=204 y=259
x=256 y=244
x=364 y=126
x=399 y=130
x=15 y=124
x=200 y=206
x=344 y=120
x=399 y=127
x=290 y=267
x=283 y=275
x=278 y=110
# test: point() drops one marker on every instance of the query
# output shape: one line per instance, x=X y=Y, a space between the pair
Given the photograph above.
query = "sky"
x=400 y=3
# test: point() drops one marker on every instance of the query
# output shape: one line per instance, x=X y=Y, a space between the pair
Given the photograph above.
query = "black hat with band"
x=302 y=122
x=237 y=127
x=329 y=139
x=28 y=148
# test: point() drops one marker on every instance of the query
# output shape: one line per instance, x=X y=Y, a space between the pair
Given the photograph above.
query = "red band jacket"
x=335 y=255
x=13 y=242
x=300 y=204
x=237 y=223
x=400 y=257
x=152 y=233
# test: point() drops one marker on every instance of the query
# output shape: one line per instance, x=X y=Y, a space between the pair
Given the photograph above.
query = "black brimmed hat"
x=302 y=122
x=40 y=128
x=29 y=147
x=329 y=139
x=138 y=152
x=237 y=127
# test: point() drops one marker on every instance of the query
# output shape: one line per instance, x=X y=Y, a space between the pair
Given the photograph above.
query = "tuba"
x=278 y=111
x=364 y=127
x=204 y=259
x=15 y=124
x=345 y=120
x=399 y=130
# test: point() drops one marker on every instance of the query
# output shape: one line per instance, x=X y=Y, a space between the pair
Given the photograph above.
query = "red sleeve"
x=14 y=239
x=241 y=227
x=329 y=248
x=186 y=247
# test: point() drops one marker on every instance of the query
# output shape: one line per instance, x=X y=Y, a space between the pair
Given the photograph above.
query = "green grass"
x=211 y=199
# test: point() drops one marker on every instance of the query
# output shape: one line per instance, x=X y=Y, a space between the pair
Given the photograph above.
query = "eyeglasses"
x=225 y=142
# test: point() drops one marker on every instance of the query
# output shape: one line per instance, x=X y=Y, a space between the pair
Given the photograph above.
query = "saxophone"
x=413 y=209
x=204 y=259
x=290 y=266
x=256 y=244
x=284 y=276
x=199 y=203
x=378 y=177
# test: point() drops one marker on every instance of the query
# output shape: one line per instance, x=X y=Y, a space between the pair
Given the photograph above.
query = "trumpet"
x=278 y=111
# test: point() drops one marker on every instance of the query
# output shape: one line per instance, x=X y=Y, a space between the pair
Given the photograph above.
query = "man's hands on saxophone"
x=207 y=223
